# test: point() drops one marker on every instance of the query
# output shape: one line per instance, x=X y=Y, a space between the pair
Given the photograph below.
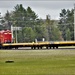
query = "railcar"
x=38 y=45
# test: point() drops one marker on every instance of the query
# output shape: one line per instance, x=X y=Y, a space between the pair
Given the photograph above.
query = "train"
x=6 y=42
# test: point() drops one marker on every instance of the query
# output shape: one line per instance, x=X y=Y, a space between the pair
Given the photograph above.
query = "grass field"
x=37 y=62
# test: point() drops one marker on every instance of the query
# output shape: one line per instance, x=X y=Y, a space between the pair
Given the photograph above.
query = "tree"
x=51 y=30
x=19 y=15
x=7 y=20
x=66 y=22
x=24 y=18
x=68 y=34
x=1 y=22
x=29 y=34
x=31 y=14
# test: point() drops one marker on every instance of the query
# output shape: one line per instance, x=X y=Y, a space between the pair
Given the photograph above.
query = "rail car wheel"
x=53 y=47
x=40 y=47
x=16 y=47
x=34 y=47
x=46 y=47
x=56 y=47
x=31 y=47
x=50 y=47
x=0 y=46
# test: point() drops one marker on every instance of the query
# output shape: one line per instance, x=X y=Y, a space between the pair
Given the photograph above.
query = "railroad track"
x=29 y=48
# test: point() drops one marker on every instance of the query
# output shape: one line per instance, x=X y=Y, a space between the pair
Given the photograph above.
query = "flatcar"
x=38 y=45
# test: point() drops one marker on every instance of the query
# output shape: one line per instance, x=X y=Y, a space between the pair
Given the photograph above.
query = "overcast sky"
x=41 y=7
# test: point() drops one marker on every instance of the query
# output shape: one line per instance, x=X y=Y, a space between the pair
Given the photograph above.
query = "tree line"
x=33 y=27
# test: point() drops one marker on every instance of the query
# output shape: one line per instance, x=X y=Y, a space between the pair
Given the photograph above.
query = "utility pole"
x=12 y=31
x=74 y=21
x=0 y=18
x=16 y=35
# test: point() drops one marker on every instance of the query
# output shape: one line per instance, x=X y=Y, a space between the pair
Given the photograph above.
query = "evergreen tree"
x=24 y=18
x=66 y=22
x=7 y=21
x=52 y=32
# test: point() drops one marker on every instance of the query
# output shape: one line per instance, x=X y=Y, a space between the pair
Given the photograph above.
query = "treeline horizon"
x=38 y=28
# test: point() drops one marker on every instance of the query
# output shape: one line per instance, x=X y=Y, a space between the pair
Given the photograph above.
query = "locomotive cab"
x=5 y=36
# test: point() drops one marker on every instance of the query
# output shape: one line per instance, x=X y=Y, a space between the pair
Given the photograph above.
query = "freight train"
x=6 y=42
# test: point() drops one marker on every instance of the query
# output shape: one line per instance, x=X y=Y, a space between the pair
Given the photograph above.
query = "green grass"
x=37 y=62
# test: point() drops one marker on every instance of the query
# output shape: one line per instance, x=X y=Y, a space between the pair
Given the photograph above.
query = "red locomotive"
x=5 y=36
